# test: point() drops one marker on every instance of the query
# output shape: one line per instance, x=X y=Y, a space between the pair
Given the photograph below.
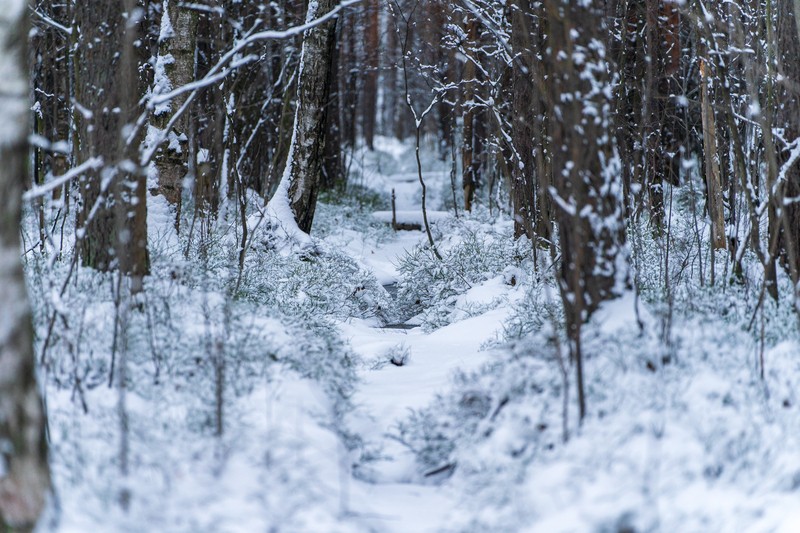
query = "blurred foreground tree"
x=24 y=473
x=585 y=165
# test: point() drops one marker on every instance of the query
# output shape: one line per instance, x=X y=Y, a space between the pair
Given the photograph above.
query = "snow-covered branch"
x=217 y=73
x=38 y=191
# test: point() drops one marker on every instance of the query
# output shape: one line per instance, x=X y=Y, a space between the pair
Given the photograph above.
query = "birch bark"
x=295 y=201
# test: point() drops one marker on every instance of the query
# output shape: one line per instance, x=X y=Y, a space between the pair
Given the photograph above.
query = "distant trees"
x=221 y=98
x=24 y=472
x=184 y=96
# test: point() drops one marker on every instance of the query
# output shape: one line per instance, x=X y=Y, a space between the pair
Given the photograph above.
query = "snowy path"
x=391 y=498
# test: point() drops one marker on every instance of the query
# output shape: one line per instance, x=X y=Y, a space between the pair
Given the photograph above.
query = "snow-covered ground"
x=342 y=424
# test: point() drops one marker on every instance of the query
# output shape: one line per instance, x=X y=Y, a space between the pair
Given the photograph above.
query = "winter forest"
x=400 y=266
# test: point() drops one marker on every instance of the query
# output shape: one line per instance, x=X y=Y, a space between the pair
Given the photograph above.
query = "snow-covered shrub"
x=488 y=428
x=354 y=197
x=675 y=404
x=472 y=252
x=539 y=308
x=511 y=404
x=399 y=355
x=266 y=358
x=330 y=284
x=351 y=210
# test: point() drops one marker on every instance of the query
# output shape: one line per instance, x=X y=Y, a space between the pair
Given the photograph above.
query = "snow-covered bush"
x=540 y=308
x=330 y=284
x=264 y=363
x=505 y=406
x=473 y=251
x=675 y=406
x=351 y=210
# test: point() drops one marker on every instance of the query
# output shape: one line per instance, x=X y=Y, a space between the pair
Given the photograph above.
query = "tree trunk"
x=348 y=64
x=174 y=69
x=333 y=170
x=713 y=177
x=587 y=187
x=369 y=99
x=302 y=178
x=469 y=179
x=392 y=81
x=113 y=212
x=787 y=116
x=523 y=175
x=24 y=476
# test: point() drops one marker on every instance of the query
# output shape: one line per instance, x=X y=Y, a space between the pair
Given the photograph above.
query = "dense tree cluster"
x=576 y=118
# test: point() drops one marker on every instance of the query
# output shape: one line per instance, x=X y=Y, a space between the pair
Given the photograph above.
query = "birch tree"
x=174 y=68
x=293 y=205
x=24 y=474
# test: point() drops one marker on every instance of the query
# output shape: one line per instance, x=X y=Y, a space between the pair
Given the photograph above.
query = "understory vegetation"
x=689 y=385
x=400 y=266
x=223 y=365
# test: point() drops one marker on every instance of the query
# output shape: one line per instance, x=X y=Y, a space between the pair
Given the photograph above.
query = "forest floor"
x=426 y=396
x=398 y=499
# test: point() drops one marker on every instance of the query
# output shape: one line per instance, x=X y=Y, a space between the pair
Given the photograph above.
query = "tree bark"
x=348 y=84
x=787 y=116
x=523 y=175
x=369 y=99
x=469 y=179
x=333 y=172
x=113 y=214
x=174 y=69
x=24 y=476
x=713 y=177
x=587 y=188
x=302 y=178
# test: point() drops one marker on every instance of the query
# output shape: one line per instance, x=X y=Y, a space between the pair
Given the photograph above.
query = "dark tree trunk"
x=372 y=48
x=332 y=170
x=348 y=65
x=113 y=212
x=469 y=179
x=787 y=116
x=523 y=173
x=585 y=167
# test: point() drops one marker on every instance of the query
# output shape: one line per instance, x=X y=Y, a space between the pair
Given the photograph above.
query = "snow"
x=166 y=30
x=323 y=432
x=434 y=357
x=410 y=217
x=281 y=219
x=161 y=82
